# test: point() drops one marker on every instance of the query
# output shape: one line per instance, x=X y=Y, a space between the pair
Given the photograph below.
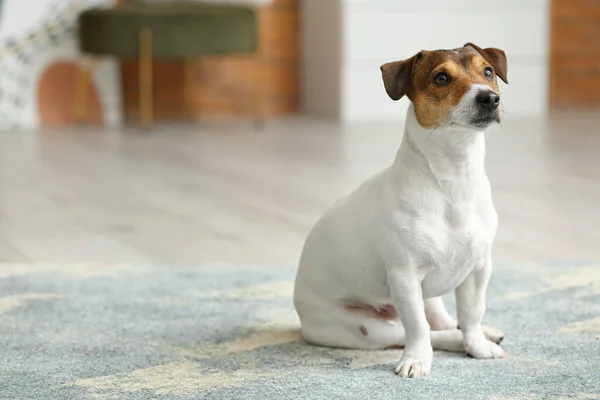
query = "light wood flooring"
x=220 y=192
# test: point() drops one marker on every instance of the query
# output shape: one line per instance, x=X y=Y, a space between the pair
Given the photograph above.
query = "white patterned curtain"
x=33 y=35
x=257 y=2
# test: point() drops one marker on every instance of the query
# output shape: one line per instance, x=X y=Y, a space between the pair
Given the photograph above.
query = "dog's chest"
x=452 y=243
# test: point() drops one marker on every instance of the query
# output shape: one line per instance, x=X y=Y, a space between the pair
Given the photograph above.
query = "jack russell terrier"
x=374 y=266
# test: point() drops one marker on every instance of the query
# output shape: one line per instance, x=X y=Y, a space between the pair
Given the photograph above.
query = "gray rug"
x=224 y=332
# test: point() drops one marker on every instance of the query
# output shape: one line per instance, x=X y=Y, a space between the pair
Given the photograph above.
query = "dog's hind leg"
x=492 y=334
x=440 y=320
x=368 y=333
x=346 y=329
x=363 y=327
x=448 y=340
x=437 y=316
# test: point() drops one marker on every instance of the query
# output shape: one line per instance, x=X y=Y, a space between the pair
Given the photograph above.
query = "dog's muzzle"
x=487 y=103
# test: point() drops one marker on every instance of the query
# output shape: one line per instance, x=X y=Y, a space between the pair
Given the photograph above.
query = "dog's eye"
x=442 y=79
x=489 y=73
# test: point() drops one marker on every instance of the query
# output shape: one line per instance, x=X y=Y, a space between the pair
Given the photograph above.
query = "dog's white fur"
x=419 y=229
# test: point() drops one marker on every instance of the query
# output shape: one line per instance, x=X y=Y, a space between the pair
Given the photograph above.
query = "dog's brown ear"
x=397 y=77
x=496 y=57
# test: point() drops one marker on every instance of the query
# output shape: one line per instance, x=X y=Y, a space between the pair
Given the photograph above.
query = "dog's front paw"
x=481 y=348
x=415 y=362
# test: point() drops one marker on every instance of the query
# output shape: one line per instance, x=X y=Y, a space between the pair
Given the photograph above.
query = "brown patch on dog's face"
x=440 y=78
x=434 y=100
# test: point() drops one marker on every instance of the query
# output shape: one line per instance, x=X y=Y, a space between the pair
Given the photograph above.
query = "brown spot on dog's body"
x=433 y=103
x=386 y=312
x=363 y=330
x=395 y=347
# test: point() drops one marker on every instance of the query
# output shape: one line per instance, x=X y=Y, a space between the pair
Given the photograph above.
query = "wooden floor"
x=223 y=193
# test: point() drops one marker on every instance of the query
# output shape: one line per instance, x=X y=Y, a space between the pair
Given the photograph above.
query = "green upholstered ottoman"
x=166 y=31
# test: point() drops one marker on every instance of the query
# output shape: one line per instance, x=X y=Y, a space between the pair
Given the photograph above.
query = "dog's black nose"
x=488 y=100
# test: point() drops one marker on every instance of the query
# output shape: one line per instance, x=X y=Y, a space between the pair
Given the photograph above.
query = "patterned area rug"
x=221 y=332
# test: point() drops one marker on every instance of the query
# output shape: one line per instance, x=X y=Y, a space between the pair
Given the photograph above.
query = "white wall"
x=376 y=31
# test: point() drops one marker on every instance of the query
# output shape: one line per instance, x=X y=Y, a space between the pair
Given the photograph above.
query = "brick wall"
x=225 y=85
x=575 y=53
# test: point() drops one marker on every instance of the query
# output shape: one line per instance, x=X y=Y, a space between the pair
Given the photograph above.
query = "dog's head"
x=450 y=87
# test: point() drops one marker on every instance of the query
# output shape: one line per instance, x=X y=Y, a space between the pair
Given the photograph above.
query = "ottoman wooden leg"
x=146 y=100
x=81 y=94
x=260 y=88
x=259 y=96
x=188 y=79
x=84 y=77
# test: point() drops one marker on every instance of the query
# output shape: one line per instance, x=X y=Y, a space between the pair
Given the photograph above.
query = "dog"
x=374 y=266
